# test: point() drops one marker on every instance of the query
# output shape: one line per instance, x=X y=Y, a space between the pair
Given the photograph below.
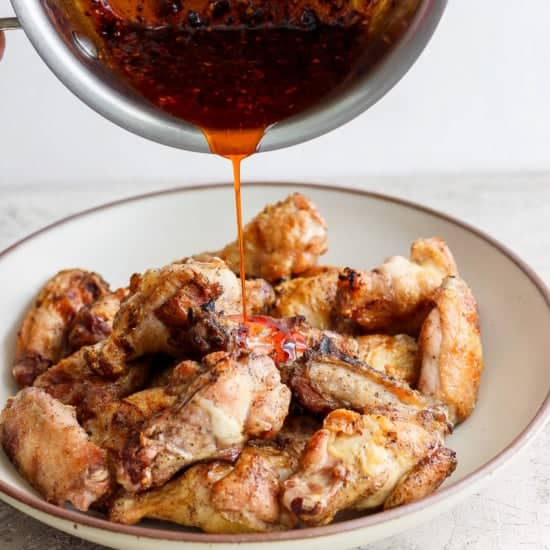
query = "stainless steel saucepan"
x=65 y=43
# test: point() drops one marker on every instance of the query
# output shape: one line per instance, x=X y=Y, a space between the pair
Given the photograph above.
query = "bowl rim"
x=518 y=443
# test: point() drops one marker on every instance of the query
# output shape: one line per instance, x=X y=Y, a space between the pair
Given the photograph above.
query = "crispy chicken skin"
x=311 y=297
x=44 y=441
x=395 y=297
x=42 y=338
x=356 y=461
x=185 y=500
x=323 y=382
x=449 y=350
x=283 y=240
x=223 y=498
x=94 y=321
x=394 y=355
x=423 y=479
x=233 y=401
x=172 y=310
x=249 y=494
x=74 y=382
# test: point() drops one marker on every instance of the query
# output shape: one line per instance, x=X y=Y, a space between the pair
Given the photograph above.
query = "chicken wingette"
x=45 y=442
x=42 y=339
x=396 y=296
x=357 y=462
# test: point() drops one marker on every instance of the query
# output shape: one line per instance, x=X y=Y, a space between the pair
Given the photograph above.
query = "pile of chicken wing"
x=158 y=401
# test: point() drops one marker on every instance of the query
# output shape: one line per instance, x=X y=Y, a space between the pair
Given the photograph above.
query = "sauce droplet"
x=270 y=336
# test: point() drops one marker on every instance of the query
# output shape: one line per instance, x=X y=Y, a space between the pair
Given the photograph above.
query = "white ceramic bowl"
x=152 y=230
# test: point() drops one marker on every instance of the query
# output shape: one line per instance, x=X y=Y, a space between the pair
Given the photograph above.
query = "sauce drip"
x=273 y=337
x=236 y=145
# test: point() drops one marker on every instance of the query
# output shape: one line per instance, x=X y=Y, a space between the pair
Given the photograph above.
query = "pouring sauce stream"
x=234 y=72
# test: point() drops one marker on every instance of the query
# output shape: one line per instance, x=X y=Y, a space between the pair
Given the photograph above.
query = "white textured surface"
x=477 y=100
x=513 y=511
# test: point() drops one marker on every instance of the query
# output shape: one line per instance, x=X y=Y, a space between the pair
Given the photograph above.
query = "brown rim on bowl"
x=499 y=460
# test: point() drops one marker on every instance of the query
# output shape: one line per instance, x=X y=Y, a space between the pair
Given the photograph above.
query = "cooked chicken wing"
x=217 y=497
x=323 y=382
x=284 y=239
x=312 y=297
x=449 y=352
x=44 y=441
x=356 y=461
x=172 y=310
x=185 y=500
x=94 y=321
x=42 y=338
x=395 y=297
x=249 y=494
x=224 y=498
x=233 y=401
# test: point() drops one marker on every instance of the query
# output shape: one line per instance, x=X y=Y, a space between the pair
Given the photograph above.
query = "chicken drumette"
x=284 y=239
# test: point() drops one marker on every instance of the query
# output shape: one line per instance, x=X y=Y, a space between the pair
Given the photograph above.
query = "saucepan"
x=66 y=43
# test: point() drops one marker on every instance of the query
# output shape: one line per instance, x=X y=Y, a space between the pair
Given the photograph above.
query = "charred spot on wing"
x=350 y=277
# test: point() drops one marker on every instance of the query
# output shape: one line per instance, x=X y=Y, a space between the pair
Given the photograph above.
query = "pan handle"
x=7 y=24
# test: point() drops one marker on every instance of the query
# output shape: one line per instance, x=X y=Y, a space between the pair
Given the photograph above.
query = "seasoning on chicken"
x=94 y=321
x=283 y=240
x=324 y=381
x=110 y=423
x=44 y=441
x=74 y=382
x=312 y=297
x=42 y=338
x=423 y=479
x=449 y=352
x=396 y=297
x=393 y=355
x=356 y=461
x=233 y=401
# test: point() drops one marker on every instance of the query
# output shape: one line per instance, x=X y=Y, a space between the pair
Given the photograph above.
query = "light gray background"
x=476 y=101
